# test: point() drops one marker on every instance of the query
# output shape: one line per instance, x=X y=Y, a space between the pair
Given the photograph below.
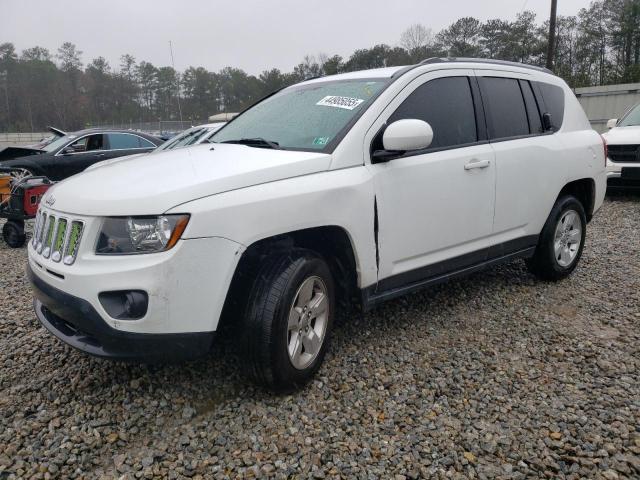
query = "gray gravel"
x=494 y=376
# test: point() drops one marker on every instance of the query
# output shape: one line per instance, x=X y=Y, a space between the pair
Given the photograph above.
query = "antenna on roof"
x=173 y=65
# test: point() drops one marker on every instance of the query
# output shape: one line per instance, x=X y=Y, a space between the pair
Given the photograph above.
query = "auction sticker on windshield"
x=348 y=103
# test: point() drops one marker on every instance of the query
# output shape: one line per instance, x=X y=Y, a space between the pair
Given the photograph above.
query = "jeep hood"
x=153 y=184
x=623 y=136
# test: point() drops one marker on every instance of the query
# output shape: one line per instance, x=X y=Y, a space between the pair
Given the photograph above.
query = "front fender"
x=341 y=198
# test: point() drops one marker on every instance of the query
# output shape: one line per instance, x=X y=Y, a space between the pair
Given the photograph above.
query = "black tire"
x=544 y=264
x=264 y=332
x=13 y=234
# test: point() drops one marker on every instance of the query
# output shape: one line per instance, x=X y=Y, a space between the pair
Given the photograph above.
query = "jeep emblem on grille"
x=50 y=200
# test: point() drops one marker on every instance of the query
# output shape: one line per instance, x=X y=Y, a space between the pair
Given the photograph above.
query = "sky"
x=250 y=34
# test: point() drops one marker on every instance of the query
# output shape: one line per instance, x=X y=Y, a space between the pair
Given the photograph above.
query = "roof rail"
x=489 y=61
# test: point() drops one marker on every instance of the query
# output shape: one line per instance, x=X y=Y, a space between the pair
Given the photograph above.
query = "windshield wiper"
x=255 y=142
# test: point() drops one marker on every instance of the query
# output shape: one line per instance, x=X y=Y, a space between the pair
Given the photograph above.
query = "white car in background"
x=190 y=137
x=623 y=140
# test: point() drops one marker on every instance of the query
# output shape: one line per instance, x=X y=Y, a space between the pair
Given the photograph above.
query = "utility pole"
x=173 y=65
x=551 y=49
x=5 y=76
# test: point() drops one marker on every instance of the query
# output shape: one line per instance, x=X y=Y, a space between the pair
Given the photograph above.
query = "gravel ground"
x=494 y=376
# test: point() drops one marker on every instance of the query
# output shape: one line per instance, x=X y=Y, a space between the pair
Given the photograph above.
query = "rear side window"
x=533 y=113
x=124 y=141
x=553 y=98
x=505 y=109
x=447 y=105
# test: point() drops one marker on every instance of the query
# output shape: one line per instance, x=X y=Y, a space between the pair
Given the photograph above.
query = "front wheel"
x=561 y=242
x=20 y=174
x=288 y=319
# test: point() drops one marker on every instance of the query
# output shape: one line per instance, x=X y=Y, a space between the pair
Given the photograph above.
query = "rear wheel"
x=288 y=319
x=13 y=234
x=561 y=241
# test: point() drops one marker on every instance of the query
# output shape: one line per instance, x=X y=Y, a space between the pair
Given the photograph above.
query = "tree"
x=332 y=65
x=309 y=68
x=99 y=87
x=166 y=93
x=147 y=77
x=8 y=52
x=200 y=89
x=272 y=80
x=461 y=38
x=366 y=58
x=494 y=35
x=39 y=54
x=415 y=37
x=69 y=57
x=525 y=40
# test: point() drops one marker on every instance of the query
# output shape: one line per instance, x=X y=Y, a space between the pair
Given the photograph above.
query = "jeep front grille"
x=57 y=237
x=624 y=153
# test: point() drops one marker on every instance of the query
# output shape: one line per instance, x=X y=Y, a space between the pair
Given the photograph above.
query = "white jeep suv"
x=623 y=141
x=365 y=185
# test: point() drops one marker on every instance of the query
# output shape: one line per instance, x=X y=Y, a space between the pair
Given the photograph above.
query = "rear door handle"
x=477 y=164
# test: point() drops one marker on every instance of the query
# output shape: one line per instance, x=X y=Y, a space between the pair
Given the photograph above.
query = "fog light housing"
x=125 y=304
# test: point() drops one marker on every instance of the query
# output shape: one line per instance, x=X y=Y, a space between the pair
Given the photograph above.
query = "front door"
x=436 y=204
x=86 y=151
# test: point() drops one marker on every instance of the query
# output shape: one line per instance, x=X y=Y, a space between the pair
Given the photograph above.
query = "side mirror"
x=547 y=123
x=407 y=135
x=403 y=136
x=612 y=123
x=68 y=150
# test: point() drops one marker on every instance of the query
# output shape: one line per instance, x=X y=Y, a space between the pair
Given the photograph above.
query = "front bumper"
x=75 y=322
x=623 y=175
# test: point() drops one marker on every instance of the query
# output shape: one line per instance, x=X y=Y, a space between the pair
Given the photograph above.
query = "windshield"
x=186 y=138
x=307 y=117
x=631 y=119
x=60 y=142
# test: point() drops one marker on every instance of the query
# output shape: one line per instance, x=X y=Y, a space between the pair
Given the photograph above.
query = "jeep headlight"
x=131 y=235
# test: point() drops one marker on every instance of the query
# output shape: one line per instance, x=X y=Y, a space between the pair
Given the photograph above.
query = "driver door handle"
x=477 y=164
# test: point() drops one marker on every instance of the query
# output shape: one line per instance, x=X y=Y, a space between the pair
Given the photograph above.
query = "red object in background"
x=32 y=197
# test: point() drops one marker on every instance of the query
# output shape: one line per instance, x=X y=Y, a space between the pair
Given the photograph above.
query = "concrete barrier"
x=21 y=139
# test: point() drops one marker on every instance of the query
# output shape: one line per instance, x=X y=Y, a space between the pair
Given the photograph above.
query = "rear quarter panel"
x=584 y=149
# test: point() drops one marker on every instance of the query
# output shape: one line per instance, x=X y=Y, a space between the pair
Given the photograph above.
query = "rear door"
x=121 y=144
x=528 y=159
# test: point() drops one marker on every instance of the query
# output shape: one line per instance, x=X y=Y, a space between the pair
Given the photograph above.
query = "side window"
x=125 y=141
x=80 y=145
x=533 y=112
x=504 y=104
x=553 y=97
x=95 y=142
x=447 y=105
x=144 y=143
